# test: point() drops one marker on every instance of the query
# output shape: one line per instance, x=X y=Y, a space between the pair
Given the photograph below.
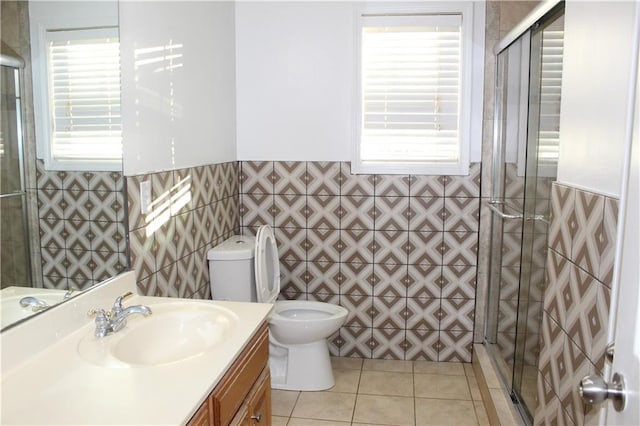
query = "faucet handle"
x=102 y=321
x=98 y=313
x=117 y=305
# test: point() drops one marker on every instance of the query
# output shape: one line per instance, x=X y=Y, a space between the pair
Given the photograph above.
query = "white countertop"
x=55 y=385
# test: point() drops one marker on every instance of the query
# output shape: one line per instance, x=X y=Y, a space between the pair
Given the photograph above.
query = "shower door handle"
x=492 y=206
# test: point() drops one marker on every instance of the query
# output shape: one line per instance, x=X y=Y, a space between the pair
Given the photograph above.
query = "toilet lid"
x=267 y=266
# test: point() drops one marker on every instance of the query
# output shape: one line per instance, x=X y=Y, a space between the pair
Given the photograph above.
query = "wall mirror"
x=63 y=211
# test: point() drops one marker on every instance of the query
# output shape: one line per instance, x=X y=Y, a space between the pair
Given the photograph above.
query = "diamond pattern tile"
x=426 y=214
x=422 y=344
x=323 y=211
x=563 y=219
x=324 y=178
x=290 y=177
x=589 y=214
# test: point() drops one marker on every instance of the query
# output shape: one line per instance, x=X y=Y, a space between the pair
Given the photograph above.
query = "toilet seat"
x=267 y=266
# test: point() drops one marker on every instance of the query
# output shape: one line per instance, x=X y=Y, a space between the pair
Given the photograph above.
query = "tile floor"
x=382 y=392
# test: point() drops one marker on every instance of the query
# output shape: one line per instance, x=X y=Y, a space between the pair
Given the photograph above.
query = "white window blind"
x=411 y=70
x=84 y=97
x=550 y=85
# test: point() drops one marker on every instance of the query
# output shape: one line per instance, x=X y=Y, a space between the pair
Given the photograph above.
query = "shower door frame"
x=17 y=66
x=530 y=39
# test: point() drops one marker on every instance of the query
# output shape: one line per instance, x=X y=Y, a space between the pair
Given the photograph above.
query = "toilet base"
x=304 y=367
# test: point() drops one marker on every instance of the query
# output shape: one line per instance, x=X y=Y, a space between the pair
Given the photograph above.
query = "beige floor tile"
x=346 y=380
x=386 y=383
x=445 y=368
x=347 y=363
x=481 y=413
x=440 y=386
x=468 y=369
x=325 y=406
x=311 y=422
x=386 y=410
x=388 y=365
x=282 y=402
x=474 y=388
x=279 y=421
x=445 y=412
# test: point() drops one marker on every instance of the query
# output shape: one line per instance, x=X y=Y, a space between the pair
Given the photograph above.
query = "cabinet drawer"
x=230 y=394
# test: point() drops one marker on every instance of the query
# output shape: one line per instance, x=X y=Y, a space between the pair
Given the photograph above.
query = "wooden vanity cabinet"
x=243 y=396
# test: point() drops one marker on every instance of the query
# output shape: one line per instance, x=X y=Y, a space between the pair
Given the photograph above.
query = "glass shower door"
x=14 y=241
x=525 y=160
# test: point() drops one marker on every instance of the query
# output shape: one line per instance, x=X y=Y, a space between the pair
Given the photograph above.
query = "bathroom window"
x=83 y=129
x=414 y=100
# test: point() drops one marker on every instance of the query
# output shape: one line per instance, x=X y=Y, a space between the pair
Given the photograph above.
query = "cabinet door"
x=202 y=417
x=259 y=401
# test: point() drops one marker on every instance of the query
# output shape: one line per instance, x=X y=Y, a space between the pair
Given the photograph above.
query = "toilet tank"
x=231 y=269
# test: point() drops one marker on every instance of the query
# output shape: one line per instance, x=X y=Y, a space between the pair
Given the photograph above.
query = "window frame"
x=470 y=103
x=43 y=97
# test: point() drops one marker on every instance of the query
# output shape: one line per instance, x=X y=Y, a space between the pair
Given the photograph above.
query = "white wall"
x=178 y=84
x=596 y=83
x=295 y=80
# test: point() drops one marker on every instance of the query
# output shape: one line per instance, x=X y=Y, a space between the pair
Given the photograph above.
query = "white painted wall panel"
x=595 y=88
x=178 y=84
x=294 y=80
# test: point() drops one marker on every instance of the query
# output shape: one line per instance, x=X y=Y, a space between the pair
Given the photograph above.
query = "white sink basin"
x=174 y=332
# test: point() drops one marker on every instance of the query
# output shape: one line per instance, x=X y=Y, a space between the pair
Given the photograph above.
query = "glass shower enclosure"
x=525 y=153
x=14 y=240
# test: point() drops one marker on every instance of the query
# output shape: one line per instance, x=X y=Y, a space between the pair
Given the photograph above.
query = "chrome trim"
x=500 y=213
x=11 y=61
x=534 y=16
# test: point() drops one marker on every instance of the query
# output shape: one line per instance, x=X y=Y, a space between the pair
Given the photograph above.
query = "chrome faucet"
x=34 y=303
x=115 y=319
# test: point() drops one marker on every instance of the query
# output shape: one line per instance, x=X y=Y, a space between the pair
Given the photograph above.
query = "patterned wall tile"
x=425 y=248
x=457 y=314
x=425 y=281
x=606 y=241
x=323 y=245
x=422 y=344
x=562 y=221
x=392 y=185
x=357 y=212
x=423 y=313
x=455 y=345
x=391 y=213
x=426 y=186
x=426 y=214
x=257 y=177
x=589 y=213
x=323 y=211
x=323 y=278
x=579 y=297
x=290 y=210
x=256 y=209
x=323 y=178
x=388 y=343
x=389 y=312
x=356 y=185
x=391 y=247
x=460 y=248
x=356 y=279
x=356 y=342
x=461 y=214
x=390 y=280
x=290 y=177
x=291 y=244
x=464 y=186
x=357 y=245
x=360 y=309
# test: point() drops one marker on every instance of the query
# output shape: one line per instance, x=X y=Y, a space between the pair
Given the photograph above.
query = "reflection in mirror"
x=63 y=219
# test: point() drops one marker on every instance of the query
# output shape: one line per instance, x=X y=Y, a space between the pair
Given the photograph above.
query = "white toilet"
x=248 y=269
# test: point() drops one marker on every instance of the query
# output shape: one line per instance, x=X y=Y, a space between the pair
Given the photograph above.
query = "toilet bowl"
x=248 y=269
